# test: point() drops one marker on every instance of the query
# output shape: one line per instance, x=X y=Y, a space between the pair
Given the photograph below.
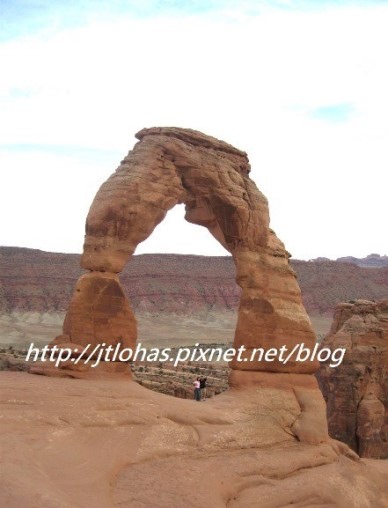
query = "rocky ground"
x=79 y=443
x=157 y=376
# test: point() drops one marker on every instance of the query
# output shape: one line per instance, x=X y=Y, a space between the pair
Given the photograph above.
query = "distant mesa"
x=371 y=261
x=43 y=282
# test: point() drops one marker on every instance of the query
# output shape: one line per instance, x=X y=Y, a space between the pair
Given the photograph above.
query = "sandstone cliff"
x=357 y=390
x=38 y=281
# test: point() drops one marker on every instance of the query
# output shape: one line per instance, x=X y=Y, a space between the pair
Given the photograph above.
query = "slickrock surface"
x=104 y=443
x=357 y=390
x=170 y=166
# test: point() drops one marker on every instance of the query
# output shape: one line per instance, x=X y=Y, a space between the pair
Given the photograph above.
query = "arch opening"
x=180 y=299
x=176 y=235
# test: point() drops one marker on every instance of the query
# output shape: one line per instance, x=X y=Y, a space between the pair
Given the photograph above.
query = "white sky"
x=301 y=88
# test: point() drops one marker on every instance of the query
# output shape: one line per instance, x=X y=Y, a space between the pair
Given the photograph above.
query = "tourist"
x=202 y=385
x=197 y=390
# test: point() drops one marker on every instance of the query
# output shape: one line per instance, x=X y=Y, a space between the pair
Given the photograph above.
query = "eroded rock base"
x=107 y=443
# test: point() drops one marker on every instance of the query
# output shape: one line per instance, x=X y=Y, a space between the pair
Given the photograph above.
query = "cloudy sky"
x=299 y=85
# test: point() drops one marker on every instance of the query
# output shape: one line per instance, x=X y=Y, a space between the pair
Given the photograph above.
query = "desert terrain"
x=112 y=443
x=75 y=436
x=177 y=299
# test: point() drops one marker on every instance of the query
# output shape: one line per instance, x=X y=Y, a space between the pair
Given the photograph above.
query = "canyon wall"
x=37 y=281
x=356 y=391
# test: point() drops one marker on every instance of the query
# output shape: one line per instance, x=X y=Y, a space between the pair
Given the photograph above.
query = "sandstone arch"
x=170 y=166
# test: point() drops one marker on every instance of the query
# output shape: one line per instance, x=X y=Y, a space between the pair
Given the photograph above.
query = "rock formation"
x=370 y=261
x=170 y=166
x=357 y=390
x=100 y=444
x=43 y=282
x=264 y=442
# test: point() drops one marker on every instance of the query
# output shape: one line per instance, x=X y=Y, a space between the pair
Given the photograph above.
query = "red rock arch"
x=170 y=166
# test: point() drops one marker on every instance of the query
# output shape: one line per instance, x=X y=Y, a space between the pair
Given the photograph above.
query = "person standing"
x=197 y=390
x=202 y=386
